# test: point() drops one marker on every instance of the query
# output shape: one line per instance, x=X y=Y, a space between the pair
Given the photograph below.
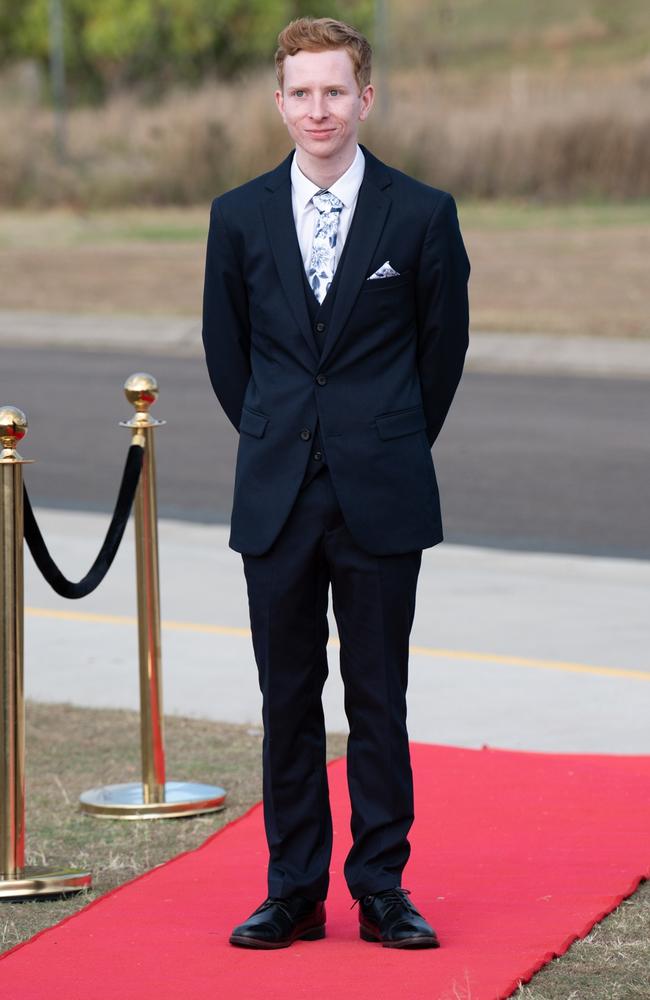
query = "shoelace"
x=392 y=896
x=280 y=903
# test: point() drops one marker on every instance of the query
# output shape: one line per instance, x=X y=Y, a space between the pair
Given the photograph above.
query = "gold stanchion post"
x=15 y=878
x=154 y=798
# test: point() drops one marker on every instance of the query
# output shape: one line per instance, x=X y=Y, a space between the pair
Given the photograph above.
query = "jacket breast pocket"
x=252 y=422
x=383 y=284
x=400 y=422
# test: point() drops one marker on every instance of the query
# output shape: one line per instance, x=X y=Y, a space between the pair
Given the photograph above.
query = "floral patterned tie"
x=323 y=251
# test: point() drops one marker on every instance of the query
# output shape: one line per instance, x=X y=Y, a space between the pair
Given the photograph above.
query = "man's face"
x=320 y=103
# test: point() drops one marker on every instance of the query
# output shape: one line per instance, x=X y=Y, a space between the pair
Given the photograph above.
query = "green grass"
x=504 y=214
x=478 y=36
x=66 y=227
x=163 y=234
x=60 y=227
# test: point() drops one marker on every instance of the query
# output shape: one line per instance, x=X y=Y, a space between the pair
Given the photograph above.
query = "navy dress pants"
x=373 y=600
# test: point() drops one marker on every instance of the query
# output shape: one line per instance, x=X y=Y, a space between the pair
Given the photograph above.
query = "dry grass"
x=611 y=963
x=523 y=132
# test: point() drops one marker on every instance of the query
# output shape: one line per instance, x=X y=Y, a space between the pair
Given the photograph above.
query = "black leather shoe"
x=277 y=923
x=391 y=918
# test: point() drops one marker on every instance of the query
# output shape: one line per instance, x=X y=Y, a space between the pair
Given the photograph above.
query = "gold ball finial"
x=13 y=427
x=141 y=390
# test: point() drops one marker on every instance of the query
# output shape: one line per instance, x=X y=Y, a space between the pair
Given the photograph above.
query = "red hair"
x=317 y=34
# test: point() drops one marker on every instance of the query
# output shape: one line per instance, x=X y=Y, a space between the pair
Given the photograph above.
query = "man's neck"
x=324 y=172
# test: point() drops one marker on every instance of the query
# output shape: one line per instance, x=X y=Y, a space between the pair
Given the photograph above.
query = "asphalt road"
x=532 y=462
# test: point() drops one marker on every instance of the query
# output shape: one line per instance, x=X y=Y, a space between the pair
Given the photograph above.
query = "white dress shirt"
x=305 y=213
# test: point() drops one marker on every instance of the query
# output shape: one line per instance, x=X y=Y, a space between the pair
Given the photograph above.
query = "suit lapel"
x=373 y=206
x=281 y=232
x=369 y=219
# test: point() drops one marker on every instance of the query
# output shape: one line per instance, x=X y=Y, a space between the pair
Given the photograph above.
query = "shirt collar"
x=346 y=188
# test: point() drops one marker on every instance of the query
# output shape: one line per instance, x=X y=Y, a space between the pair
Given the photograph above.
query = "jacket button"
x=305 y=434
x=321 y=379
x=317 y=456
x=320 y=328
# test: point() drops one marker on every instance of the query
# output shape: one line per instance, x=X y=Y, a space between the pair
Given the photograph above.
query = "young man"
x=335 y=329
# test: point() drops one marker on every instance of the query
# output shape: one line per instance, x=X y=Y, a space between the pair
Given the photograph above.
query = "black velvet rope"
x=108 y=551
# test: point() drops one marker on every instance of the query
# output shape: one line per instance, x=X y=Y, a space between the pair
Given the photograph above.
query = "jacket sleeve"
x=443 y=313
x=226 y=328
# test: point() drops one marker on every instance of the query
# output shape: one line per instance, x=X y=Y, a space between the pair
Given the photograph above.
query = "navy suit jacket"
x=383 y=383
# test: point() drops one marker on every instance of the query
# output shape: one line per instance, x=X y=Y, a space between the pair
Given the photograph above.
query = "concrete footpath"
x=510 y=649
x=539 y=353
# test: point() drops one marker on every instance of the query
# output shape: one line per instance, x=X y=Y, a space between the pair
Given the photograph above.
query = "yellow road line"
x=86 y=616
x=80 y=616
x=441 y=654
x=524 y=661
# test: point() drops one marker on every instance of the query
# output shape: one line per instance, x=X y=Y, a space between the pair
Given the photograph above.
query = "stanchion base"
x=182 y=798
x=36 y=881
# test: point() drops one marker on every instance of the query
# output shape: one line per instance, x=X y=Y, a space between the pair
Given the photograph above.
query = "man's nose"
x=318 y=108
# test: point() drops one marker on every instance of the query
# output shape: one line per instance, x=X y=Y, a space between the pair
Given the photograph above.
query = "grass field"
x=188 y=224
x=579 y=268
x=72 y=749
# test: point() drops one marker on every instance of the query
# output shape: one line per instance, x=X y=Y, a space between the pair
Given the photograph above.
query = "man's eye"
x=334 y=92
x=298 y=93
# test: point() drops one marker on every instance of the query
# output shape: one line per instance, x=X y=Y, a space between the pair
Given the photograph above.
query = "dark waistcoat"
x=320 y=314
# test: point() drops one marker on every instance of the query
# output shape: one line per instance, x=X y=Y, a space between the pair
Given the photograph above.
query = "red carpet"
x=514 y=856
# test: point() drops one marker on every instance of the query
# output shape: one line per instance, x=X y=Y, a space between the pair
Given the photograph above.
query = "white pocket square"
x=385 y=271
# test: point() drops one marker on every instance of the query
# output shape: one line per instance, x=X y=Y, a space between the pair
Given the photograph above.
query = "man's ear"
x=367 y=100
x=279 y=100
